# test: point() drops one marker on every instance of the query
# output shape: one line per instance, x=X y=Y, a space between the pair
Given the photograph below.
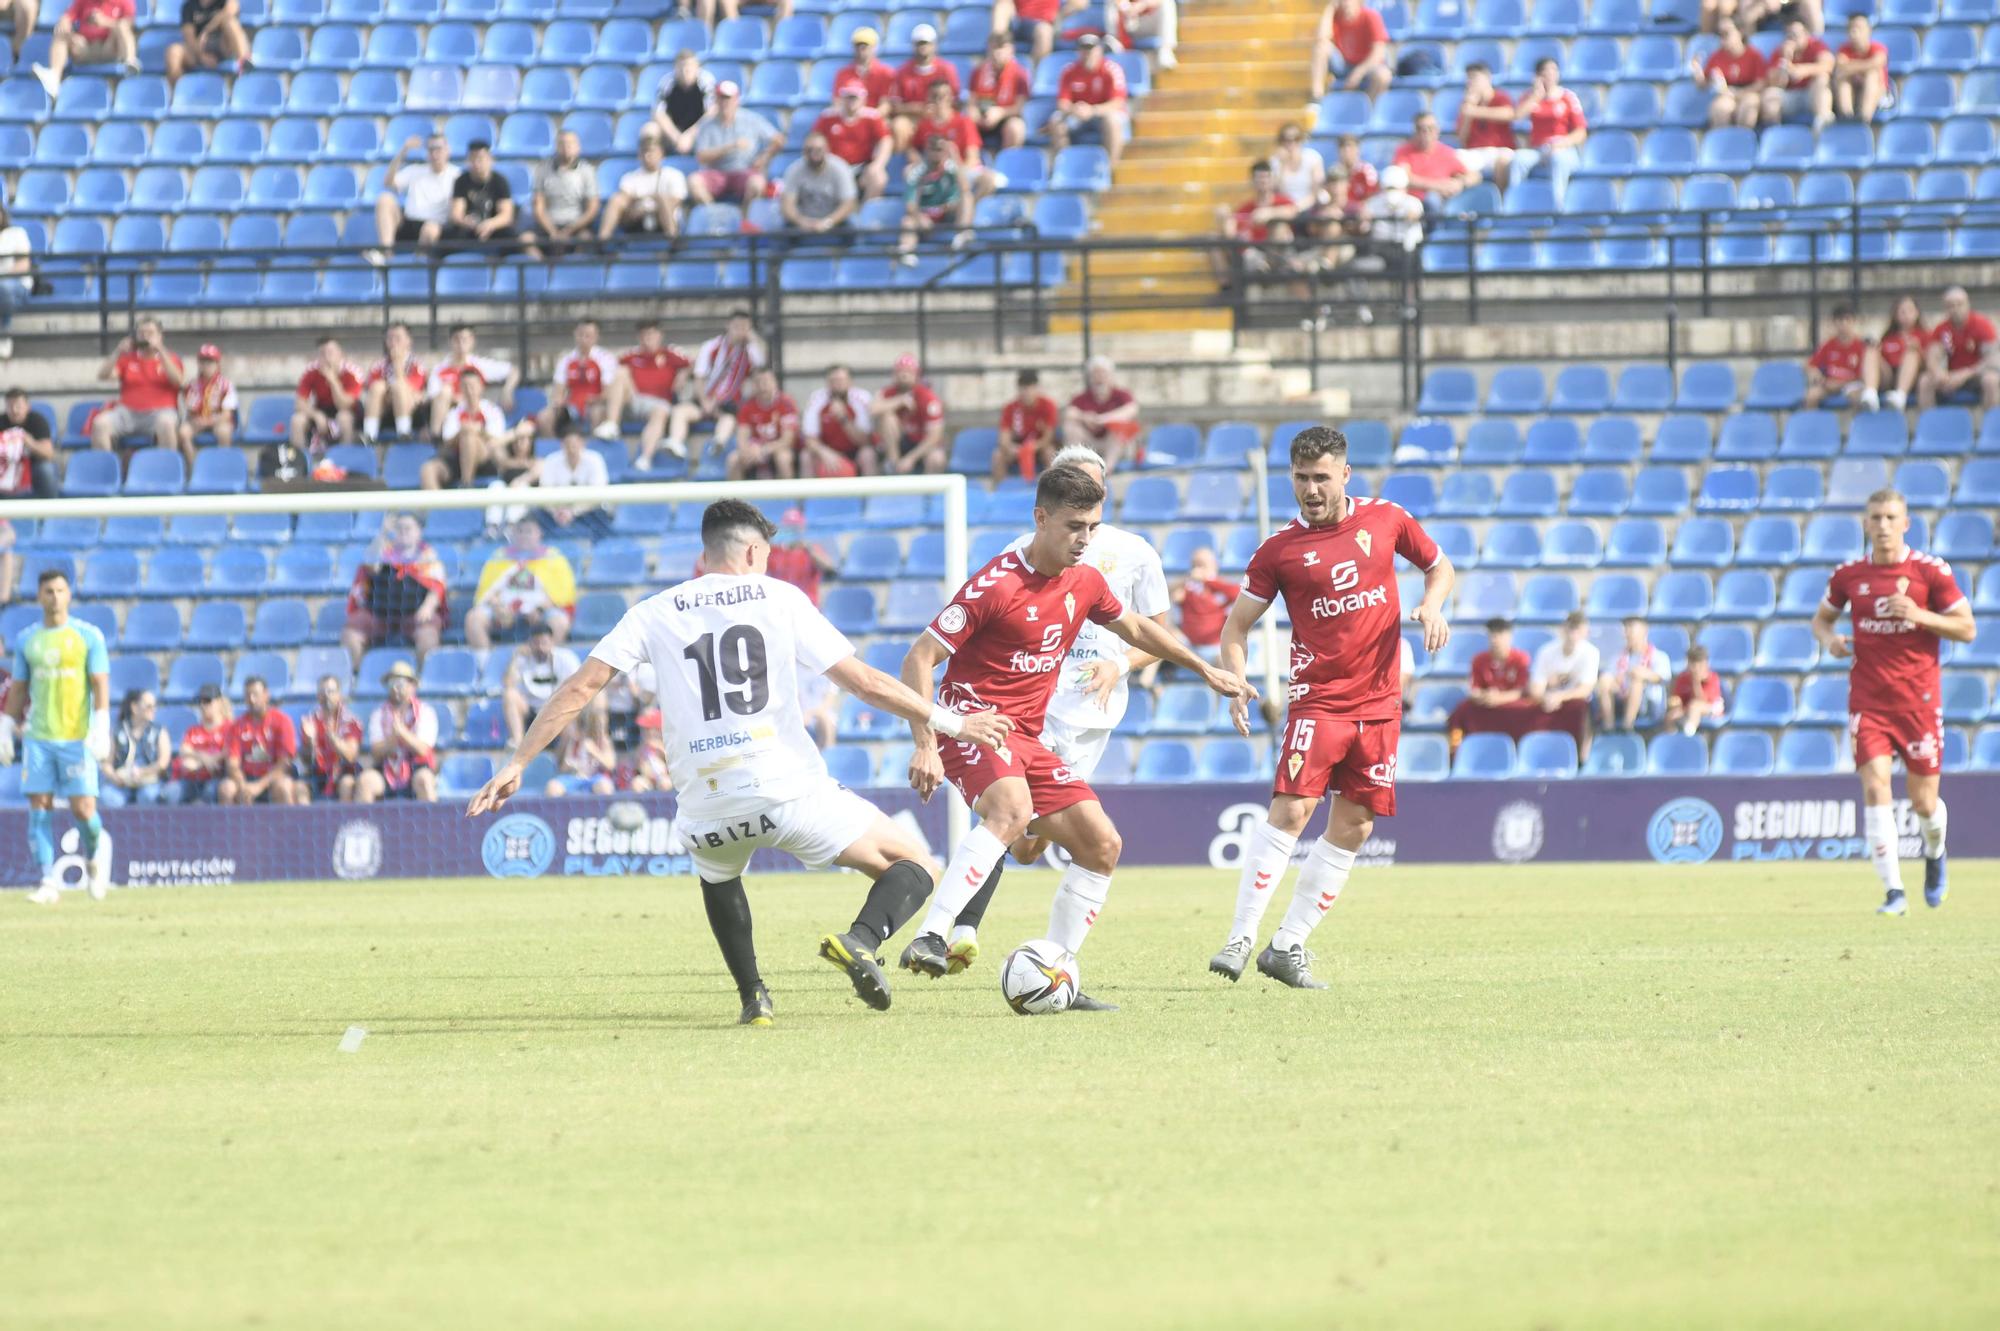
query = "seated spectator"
x=585 y=759
x=93 y=32
x=1104 y=417
x=819 y=194
x=708 y=11
x=565 y=201
x=797 y=558
x=141 y=755
x=1900 y=354
x=525 y=584
x=879 y=79
x=402 y=744
x=1860 y=72
x=915 y=78
x=1392 y=221
x=198 y=767
x=1033 y=22
x=1204 y=598
x=534 y=672
x=1755 y=15
x=645 y=386
x=767 y=432
x=857 y=134
x=149 y=379
x=681 y=102
x=942 y=119
x=443 y=385
x=1028 y=424
x=1352 y=43
x=27 y=452
x=328 y=394
x=262 y=747
x=935 y=195
x=909 y=423
x=211 y=33
x=1299 y=173
x=330 y=741
x=475 y=445
x=1714 y=11
x=1635 y=687
x=1261 y=225
x=582 y=374
x=1497 y=699
x=1696 y=695
x=649 y=197
x=398 y=593
x=17 y=282
x=416 y=207
x=1139 y=19
x=573 y=464
x=839 y=429
x=1565 y=678
x=1485 y=127
x=1801 y=80
x=1844 y=363
x=1556 y=131
x=734 y=147
x=26 y=13
x=395 y=389
x=1961 y=356
x=482 y=205
x=208 y=404
x=1436 y=171
x=999 y=87
x=1734 y=73
x=1352 y=180
x=1090 y=102
x=721 y=368
x=647 y=771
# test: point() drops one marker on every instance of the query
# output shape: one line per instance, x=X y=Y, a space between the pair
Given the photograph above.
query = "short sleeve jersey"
x=1504 y=676
x=1898 y=341
x=1339 y=583
x=1356 y=38
x=766 y=421
x=1099 y=87
x=1553 y=117
x=1008 y=630
x=913 y=81
x=1488 y=133
x=654 y=373
x=1030 y=420
x=1840 y=361
x=727 y=650
x=1131 y=568
x=260 y=743
x=1710 y=688
x=583 y=376
x=1966 y=344
x=853 y=141
x=1001 y=85
x=58 y=663
x=317 y=386
x=1746 y=67
x=1895 y=662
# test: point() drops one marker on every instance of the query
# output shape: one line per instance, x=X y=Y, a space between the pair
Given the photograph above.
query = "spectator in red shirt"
x=1436 y=172
x=501 y=376
x=1028 y=426
x=767 y=432
x=646 y=385
x=1860 y=72
x=1353 y=44
x=27 y=451
x=796 y=558
x=93 y=32
x=909 y=422
x=1034 y=22
x=208 y=404
x=330 y=747
x=262 y=746
x=1090 y=101
x=149 y=379
x=1695 y=695
x=1962 y=358
x=858 y=135
x=1899 y=353
x=1844 y=363
x=583 y=377
x=1801 y=77
x=1735 y=74
x=876 y=77
x=211 y=33
x=1498 y=696
x=1486 y=125
x=395 y=388
x=839 y=430
x=943 y=120
x=1204 y=599
x=1104 y=417
x=1556 y=130
x=328 y=394
x=999 y=89
x=915 y=78
x=1353 y=180
x=1261 y=225
x=204 y=752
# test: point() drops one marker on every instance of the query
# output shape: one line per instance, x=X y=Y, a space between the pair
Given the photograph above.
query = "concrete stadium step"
x=1231 y=119
x=1233 y=86
x=1115 y=264
x=1146 y=321
x=1180 y=171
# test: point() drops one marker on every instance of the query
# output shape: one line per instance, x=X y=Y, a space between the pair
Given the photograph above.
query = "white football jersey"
x=1132 y=567
x=727 y=650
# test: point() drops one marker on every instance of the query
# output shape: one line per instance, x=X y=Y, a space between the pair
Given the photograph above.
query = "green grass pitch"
x=1561 y=1097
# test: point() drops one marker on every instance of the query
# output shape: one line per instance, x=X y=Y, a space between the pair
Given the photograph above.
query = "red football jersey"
x=916 y=409
x=1247 y=228
x=1895 y=662
x=1488 y=133
x=880 y=80
x=414 y=374
x=202 y=740
x=320 y=734
x=1840 y=361
x=1008 y=630
x=655 y=372
x=1097 y=86
x=1356 y=38
x=962 y=130
x=1554 y=117
x=1362 y=185
x=795 y=564
x=1711 y=688
x=1037 y=11
x=262 y=742
x=1005 y=85
x=1205 y=609
x=1804 y=57
x=1339 y=582
x=853 y=141
x=1511 y=673
x=315 y=385
x=913 y=81
x=1966 y=344
x=582 y=377
x=766 y=421
x=1740 y=70
x=1035 y=420
x=1894 y=344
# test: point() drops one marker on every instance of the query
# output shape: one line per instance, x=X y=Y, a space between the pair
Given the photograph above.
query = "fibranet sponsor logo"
x=1771 y=830
x=1026 y=663
x=593 y=847
x=1332 y=607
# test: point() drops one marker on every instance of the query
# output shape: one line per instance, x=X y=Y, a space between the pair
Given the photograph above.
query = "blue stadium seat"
x=1675 y=754
x=1661 y=491
x=1582 y=389
x=1572 y=544
x=1809 y=753
x=1682 y=594
x=1706 y=386
x=1785 y=649
x=1547 y=597
x=1704 y=543
x=1183 y=709
x=1165 y=762
x=1965 y=698
x=1466 y=494
x=1423 y=758
x=1746 y=593
x=1743 y=753
x=1729 y=489
x=1769 y=540
x=1449 y=392
x=1227 y=760
x=1643 y=388
x=1516 y=390
x=1553 y=441
x=1833 y=538
x=1484 y=757
x=460 y=775
x=1600 y=492
x=1616 y=596
x=1964 y=536
x=109 y=574
x=155 y=472
x=1546 y=755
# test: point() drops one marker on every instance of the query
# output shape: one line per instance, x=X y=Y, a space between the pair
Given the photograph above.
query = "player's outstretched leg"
x=1004 y=809
x=728 y=910
x=891 y=902
x=1094 y=846
x=1266 y=857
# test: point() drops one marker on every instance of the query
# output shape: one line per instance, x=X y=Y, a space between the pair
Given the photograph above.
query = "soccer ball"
x=1039 y=977
x=626 y=815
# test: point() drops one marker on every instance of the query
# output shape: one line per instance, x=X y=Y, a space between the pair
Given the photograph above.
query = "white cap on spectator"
x=923 y=32
x=1395 y=177
x=727 y=88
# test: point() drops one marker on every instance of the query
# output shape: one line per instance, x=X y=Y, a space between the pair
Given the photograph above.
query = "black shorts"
x=447 y=457
x=990 y=135
x=568 y=418
x=420 y=419
x=409 y=231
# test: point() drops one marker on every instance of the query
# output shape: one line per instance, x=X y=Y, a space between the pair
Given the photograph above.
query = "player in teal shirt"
x=64 y=697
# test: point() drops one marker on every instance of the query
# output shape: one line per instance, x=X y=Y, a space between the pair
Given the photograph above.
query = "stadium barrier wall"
x=1641 y=820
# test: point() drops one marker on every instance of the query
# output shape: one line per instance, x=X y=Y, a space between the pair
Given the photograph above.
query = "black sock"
x=975 y=909
x=729 y=918
x=891 y=902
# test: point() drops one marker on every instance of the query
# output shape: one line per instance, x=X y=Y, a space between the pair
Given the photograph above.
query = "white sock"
x=405 y=426
x=1319 y=887
x=970 y=863
x=1076 y=905
x=1265 y=859
x=1933 y=830
x=1878 y=822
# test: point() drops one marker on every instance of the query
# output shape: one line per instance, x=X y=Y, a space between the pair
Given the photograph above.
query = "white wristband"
x=948 y=724
x=1124 y=664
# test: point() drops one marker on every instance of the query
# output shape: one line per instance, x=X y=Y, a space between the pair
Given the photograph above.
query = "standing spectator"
x=27 y=452
x=585 y=759
x=1485 y=128
x=482 y=205
x=943 y=120
x=1158 y=19
x=1436 y=171
x=17 y=283
x=1734 y=73
x=1696 y=695
x=398 y=593
x=93 y=32
x=576 y=396
x=1636 y=684
x=443 y=385
x=934 y=195
x=915 y=78
x=909 y=422
x=819 y=192
x=682 y=101
x=329 y=392
x=1961 y=364
x=1104 y=417
x=402 y=742
x=575 y=463
x=330 y=743
x=839 y=430
x=1801 y=80
x=525 y=583
x=208 y=404
x=796 y=558
x=999 y=88
x=1090 y=102
x=395 y=388
x=1352 y=43
x=857 y=134
x=1556 y=130
x=416 y=207
x=1565 y=678
x=878 y=78
x=1498 y=697
x=1033 y=22
x=1900 y=353
x=1204 y=597
x=565 y=201
x=1844 y=363
x=1261 y=225
x=649 y=197
x=262 y=747
x=734 y=148
x=197 y=768
x=648 y=374
x=721 y=368
x=211 y=32
x=1860 y=72
x=534 y=672
x=1028 y=425
x=141 y=754
x=767 y=432
x=149 y=379
x=474 y=443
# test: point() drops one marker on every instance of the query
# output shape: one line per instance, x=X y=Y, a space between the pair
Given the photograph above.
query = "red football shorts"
x=1916 y=737
x=1052 y=787
x=1355 y=759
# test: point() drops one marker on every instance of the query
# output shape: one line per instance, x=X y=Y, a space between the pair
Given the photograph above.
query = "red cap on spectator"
x=906 y=362
x=209 y=351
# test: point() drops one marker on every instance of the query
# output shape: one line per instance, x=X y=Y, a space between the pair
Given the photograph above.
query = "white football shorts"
x=1081 y=749
x=815 y=828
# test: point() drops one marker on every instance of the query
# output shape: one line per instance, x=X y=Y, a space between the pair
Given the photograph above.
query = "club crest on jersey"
x=1365 y=540
x=1863 y=589
x=953 y=619
x=1033 y=612
x=1293 y=762
x=1069 y=606
x=1310 y=558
